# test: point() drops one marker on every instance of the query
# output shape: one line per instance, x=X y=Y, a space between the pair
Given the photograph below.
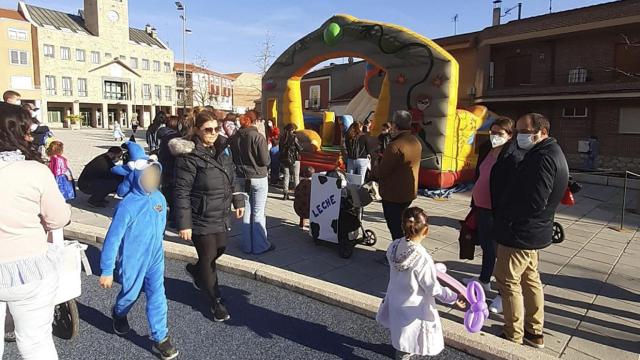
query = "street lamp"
x=181 y=7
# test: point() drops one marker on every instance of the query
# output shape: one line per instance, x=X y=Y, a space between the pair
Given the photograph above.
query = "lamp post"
x=181 y=7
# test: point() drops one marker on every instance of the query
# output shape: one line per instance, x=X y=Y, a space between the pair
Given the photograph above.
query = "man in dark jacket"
x=97 y=179
x=524 y=225
x=398 y=172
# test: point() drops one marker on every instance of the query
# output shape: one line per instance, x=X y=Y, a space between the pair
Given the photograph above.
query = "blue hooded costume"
x=133 y=244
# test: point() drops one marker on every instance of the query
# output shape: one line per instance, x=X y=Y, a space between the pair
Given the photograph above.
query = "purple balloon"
x=478 y=312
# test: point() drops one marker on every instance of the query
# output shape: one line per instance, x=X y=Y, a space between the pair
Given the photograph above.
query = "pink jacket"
x=31 y=205
x=59 y=165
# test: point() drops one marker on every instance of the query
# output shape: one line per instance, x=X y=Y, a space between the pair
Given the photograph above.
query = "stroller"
x=572 y=188
x=337 y=203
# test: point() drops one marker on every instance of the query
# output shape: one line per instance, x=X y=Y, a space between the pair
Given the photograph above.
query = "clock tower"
x=107 y=18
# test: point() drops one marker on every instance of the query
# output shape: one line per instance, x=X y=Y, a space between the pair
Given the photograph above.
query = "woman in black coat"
x=203 y=195
x=289 y=157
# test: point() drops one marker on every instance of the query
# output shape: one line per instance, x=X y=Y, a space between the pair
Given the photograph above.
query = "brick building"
x=199 y=86
x=580 y=67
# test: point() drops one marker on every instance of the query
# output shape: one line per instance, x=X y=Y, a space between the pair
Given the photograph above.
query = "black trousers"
x=209 y=248
x=99 y=189
x=393 y=216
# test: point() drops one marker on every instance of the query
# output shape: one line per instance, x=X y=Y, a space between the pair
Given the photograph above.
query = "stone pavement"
x=592 y=279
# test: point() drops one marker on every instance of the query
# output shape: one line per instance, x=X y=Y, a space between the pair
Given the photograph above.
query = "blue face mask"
x=525 y=141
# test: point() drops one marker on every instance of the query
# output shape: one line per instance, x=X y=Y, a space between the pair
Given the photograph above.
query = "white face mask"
x=497 y=140
x=525 y=141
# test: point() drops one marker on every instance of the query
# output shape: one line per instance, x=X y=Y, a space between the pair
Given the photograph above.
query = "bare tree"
x=265 y=55
x=201 y=82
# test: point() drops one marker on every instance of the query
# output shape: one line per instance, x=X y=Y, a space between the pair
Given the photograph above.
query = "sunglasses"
x=209 y=131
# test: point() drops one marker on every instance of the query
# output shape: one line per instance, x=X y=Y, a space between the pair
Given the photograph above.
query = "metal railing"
x=627 y=176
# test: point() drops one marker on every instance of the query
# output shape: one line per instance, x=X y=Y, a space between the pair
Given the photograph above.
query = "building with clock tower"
x=93 y=68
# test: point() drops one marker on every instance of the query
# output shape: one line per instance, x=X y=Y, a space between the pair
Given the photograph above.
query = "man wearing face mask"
x=97 y=179
x=524 y=225
x=11 y=97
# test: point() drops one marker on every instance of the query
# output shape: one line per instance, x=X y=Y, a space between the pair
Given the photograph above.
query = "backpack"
x=289 y=152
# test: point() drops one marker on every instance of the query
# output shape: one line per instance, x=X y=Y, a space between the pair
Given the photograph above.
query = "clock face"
x=113 y=16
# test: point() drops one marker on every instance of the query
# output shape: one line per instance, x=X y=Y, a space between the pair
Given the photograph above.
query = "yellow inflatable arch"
x=420 y=77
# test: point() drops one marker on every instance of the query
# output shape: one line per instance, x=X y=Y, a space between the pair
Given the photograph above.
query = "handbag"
x=67 y=187
x=468 y=235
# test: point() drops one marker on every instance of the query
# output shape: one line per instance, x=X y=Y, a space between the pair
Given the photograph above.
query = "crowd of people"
x=207 y=166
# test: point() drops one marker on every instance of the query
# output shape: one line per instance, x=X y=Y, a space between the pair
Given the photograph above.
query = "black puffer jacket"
x=502 y=171
x=204 y=186
x=250 y=153
x=526 y=219
x=357 y=148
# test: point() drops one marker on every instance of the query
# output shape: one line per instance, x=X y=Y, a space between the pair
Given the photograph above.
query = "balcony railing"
x=116 y=96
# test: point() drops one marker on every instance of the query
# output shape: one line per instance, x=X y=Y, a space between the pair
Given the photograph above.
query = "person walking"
x=204 y=193
x=174 y=128
x=495 y=154
x=357 y=150
x=118 y=135
x=31 y=206
x=289 y=157
x=397 y=172
x=524 y=225
x=134 y=125
x=251 y=157
x=153 y=140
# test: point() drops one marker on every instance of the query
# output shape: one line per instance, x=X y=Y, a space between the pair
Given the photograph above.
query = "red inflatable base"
x=321 y=160
x=436 y=179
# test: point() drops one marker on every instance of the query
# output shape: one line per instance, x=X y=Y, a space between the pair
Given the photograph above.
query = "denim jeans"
x=31 y=305
x=357 y=166
x=487 y=243
x=288 y=171
x=254 y=222
x=275 y=164
x=393 y=216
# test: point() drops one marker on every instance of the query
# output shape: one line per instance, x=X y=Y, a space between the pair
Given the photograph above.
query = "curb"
x=482 y=345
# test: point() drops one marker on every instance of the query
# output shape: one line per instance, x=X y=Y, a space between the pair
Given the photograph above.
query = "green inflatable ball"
x=332 y=34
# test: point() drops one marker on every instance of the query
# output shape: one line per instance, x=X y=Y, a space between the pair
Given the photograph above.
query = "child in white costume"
x=409 y=308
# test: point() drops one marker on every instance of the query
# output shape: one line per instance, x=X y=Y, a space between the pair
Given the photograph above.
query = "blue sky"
x=228 y=33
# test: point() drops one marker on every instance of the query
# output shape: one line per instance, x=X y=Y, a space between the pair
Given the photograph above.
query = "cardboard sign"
x=325 y=205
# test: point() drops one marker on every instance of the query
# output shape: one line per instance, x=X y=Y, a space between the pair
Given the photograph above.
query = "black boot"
x=166 y=349
x=220 y=312
x=193 y=272
x=120 y=324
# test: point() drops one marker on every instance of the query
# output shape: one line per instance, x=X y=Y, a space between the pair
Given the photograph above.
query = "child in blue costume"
x=133 y=246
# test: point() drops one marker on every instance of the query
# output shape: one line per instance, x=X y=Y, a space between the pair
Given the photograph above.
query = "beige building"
x=247 y=89
x=17 y=56
x=93 y=64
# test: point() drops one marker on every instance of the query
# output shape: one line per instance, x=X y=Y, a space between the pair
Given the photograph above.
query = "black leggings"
x=209 y=247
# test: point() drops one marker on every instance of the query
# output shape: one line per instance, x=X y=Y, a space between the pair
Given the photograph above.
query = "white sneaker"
x=485 y=286
x=496 y=305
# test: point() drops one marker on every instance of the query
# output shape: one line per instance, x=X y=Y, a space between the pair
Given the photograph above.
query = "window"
x=145 y=64
x=156 y=66
x=517 y=70
x=114 y=90
x=627 y=59
x=80 y=55
x=67 y=88
x=167 y=93
x=492 y=74
x=65 y=53
x=574 y=112
x=82 y=87
x=49 y=51
x=158 y=92
x=21 y=83
x=577 y=75
x=123 y=58
x=629 y=120
x=108 y=56
x=18 y=57
x=95 y=57
x=20 y=35
x=133 y=62
x=314 y=96
x=50 y=84
x=167 y=67
x=146 y=91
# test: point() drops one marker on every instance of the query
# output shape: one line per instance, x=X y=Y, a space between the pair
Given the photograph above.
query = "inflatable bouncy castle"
x=410 y=73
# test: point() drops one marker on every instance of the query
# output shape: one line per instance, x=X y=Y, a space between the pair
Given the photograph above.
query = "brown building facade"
x=581 y=68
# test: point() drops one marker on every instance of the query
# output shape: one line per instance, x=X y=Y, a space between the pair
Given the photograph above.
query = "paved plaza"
x=592 y=279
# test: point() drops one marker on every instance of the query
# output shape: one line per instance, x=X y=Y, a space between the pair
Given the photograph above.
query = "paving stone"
x=603 y=249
